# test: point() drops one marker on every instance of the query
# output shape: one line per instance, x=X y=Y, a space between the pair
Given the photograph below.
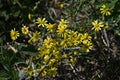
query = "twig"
x=106 y=37
x=72 y=48
x=12 y=48
x=104 y=41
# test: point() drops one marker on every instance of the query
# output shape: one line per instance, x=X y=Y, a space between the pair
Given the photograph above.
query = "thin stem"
x=106 y=37
x=105 y=34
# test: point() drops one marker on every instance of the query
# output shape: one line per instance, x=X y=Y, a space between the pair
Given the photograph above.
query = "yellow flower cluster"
x=51 y=49
x=15 y=34
x=52 y=46
x=50 y=55
x=62 y=27
x=87 y=43
x=98 y=25
x=57 y=43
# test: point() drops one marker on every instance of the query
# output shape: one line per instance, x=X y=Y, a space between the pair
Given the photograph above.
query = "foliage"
x=60 y=39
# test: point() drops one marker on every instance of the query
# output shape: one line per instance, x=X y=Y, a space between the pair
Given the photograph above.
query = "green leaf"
x=19 y=46
x=17 y=63
x=5 y=67
x=14 y=75
x=16 y=14
x=1 y=46
x=112 y=4
x=29 y=53
x=29 y=50
x=14 y=1
x=81 y=1
x=3 y=75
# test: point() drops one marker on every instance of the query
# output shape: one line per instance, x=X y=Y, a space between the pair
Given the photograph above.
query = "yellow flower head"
x=35 y=37
x=48 y=42
x=63 y=23
x=26 y=69
x=51 y=62
x=62 y=27
x=51 y=27
x=41 y=22
x=64 y=43
x=72 y=60
x=32 y=73
x=75 y=52
x=44 y=73
x=85 y=38
x=29 y=16
x=62 y=5
x=87 y=47
x=105 y=11
x=14 y=34
x=61 y=30
x=97 y=25
x=52 y=71
x=25 y=30
x=46 y=58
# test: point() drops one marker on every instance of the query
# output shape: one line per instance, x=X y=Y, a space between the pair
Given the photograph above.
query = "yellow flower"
x=52 y=71
x=75 y=52
x=35 y=37
x=51 y=62
x=61 y=30
x=85 y=38
x=62 y=5
x=105 y=11
x=63 y=23
x=51 y=27
x=14 y=34
x=32 y=73
x=97 y=25
x=73 y=37
x=72 y=60
x=41 y=22
x=62 y=27
x=47 y=41
x=25 y=30
x=46 y=58
x=64 y=43
x=26 y=69
x=47 y=51
x=44 y=73
x=87 y=47
x=29 y=16
x=65 y=55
